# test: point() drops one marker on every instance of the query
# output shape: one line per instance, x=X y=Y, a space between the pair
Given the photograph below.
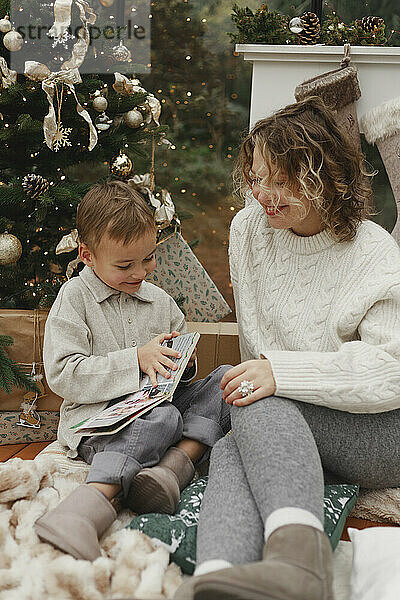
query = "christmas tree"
x=11 y=374
x=83 y=124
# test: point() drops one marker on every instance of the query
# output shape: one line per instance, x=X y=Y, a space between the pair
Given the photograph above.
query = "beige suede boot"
x=77 y=523
x=158 y=489
x=297 y=565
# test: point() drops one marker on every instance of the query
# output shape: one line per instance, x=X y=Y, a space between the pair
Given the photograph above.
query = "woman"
x=317 y=293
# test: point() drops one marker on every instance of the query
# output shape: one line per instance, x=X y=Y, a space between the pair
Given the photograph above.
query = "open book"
x=119 y=415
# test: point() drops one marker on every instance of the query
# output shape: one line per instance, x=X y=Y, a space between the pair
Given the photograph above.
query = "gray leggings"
x=276 y=457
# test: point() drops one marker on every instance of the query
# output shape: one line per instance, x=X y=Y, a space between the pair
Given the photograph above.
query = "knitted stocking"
x=381 y=126
x=339 y=90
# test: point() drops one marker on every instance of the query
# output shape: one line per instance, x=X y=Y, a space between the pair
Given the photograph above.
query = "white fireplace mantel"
x=278 y=69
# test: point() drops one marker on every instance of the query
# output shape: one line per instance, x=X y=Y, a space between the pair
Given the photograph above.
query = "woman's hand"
x=153 y=358
x=259 y=372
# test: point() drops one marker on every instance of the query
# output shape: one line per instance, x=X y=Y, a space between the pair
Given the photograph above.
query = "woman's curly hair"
x=304 y=142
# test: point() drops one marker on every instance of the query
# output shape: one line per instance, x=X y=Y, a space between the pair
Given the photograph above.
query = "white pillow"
x=376 y=563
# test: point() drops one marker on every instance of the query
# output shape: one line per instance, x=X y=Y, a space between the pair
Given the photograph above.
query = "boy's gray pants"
x=197 y=412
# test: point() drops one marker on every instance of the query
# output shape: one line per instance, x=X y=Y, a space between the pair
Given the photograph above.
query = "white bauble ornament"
x=121 y=52
x=5 y=24
x=10 y=249
x=100 y=103
x=133 y=118
x=296 y=25
x=103 y=122
x=13 y=41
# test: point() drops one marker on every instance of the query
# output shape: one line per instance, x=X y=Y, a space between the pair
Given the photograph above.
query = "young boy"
x=105 y=327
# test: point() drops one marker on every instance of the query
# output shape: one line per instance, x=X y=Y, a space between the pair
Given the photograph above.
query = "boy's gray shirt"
x=90 y=344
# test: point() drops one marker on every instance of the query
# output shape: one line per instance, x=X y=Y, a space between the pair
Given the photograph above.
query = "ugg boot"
x=158 y=489
x=381 y=126
x=339 y=89
x=297 y=565
x=77 y=523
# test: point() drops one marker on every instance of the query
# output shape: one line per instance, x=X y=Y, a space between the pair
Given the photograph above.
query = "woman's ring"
x=246 y=388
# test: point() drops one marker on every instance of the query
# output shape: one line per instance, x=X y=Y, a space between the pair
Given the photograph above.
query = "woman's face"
x=275 y=198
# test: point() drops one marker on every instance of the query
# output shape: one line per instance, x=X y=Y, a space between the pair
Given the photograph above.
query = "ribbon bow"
x=69 y=75
x=8 y=77
x=164 y=212
x=125 y=86
x=68 y=243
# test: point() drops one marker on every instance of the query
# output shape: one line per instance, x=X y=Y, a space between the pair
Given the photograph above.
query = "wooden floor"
x=29 y=451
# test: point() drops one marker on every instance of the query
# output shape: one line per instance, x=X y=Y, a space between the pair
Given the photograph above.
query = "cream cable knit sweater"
x=326 y=314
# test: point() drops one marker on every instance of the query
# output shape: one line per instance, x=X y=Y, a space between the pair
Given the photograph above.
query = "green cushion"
x=179 y=531
x=339 y=501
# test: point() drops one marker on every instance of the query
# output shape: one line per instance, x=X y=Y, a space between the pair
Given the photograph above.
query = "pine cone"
x=370 y=24
x=311 y=28
x=35 y=185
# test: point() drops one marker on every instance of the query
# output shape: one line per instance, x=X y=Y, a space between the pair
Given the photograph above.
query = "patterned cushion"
x=178 y=532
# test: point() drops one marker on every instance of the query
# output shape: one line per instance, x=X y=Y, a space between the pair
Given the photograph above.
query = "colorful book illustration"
x=119 y=415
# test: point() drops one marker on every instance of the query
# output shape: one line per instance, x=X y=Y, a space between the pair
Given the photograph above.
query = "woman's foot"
x=297 y=565
x=158 y=489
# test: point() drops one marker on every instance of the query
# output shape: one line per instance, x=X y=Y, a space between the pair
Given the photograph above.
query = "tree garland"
x=271 y=27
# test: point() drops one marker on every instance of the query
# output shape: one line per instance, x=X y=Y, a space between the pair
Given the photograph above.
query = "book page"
x=148 y=396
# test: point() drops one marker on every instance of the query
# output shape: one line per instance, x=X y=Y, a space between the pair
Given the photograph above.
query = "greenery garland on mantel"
x=271 y=27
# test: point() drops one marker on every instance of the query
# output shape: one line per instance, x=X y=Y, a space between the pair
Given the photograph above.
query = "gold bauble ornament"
x=100 y=104
x=10 y=249
x=5 y=24
x=121 y=165
x=13 y=41
x=133 y=118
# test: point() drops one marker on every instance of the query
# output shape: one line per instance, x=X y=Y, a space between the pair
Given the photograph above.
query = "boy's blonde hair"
x=116 y=209
x=303 y=142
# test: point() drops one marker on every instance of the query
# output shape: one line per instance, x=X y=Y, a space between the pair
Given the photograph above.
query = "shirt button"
x=129 y=320
x=133 y=343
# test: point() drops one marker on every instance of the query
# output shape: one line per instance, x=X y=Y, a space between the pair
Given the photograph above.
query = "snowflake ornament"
x=63 y=40
x=60 y=138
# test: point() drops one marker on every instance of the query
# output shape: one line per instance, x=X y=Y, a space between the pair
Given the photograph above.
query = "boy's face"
x=122 y=267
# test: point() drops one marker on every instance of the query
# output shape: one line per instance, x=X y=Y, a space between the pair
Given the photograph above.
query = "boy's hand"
x=258 y=371
x=153 y=358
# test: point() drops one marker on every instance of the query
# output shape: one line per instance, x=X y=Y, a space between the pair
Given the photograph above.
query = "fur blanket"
x=381 y=506
x=131 y=566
